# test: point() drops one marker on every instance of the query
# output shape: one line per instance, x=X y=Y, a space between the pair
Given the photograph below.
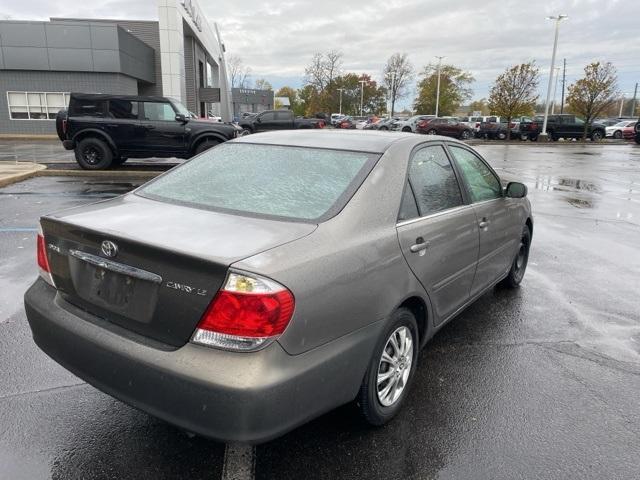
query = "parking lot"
x=540 y=382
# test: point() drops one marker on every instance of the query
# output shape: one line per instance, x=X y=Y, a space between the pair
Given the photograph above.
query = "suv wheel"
x=596 y=136
x=93 y=154
x=617 y=134
x=205 y=145
x=465 y=135
x=406 y=129
x=432 y=132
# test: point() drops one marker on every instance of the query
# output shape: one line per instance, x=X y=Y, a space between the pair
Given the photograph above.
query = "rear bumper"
x=68 y=144
x=228 y=396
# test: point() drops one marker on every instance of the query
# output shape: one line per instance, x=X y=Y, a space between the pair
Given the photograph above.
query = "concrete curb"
x=27 y=136
x=29 y=170
x=99 y=173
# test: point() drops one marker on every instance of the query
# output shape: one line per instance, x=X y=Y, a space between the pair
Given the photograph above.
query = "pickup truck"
x=277 y=120
x=105 y=130
x=498 y=130
x=561 y=126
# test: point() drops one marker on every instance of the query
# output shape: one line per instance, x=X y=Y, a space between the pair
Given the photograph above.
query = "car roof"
x=110 y=96
x=371 y=141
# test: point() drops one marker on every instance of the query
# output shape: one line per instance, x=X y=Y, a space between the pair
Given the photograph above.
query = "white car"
x=409 y=125
x=617 y=130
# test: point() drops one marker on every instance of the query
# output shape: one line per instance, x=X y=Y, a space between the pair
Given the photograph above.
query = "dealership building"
x=180 y=56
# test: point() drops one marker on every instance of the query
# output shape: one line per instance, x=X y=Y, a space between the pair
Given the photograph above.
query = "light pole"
x=558 y=19
x=393 y=82
x=438 y=86
x=555 y=87
x=621 y=105
x=361 y=82
x=340 y=90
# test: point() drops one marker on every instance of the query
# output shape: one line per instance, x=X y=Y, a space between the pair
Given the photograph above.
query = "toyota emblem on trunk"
x=109 y=249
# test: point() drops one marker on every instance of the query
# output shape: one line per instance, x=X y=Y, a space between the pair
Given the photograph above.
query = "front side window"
x=308 y=184
x=159 y=111
x=483 y=184
x=433 y=181
x=267 y=117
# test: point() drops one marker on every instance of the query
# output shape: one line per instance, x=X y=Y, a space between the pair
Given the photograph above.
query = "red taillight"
x=249 y=314
x=246 y=314
x=43 y=262
x=533 y=126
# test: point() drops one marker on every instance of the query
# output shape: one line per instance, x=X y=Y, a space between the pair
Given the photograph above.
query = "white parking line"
x=239 y=462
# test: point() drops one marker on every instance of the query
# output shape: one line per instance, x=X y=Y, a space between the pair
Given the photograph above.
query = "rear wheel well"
x=93 y=134
x=204 y=138
x=418 y=308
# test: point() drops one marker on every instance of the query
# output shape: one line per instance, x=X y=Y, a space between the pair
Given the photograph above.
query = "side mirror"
x=258 y=120
x=516 y=190
x=181 y=118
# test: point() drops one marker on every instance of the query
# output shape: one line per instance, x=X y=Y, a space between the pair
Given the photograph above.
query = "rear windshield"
x=292 y=183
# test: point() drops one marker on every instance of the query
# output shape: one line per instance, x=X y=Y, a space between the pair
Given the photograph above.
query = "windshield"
x=308 y=184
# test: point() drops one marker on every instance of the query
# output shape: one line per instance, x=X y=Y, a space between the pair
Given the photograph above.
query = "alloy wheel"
x=394 y=366
x=91 y=155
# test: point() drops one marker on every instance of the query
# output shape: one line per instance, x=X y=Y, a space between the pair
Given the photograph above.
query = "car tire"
x=205 y=145
x=501 y=136
x=617 y=134
x=384 y=128
x=596 y=136
x=519 y=265
x=379 y=403
x=407 y=129
x=93 y=154
x=245 y=131
x=465 y=135
x=432 y=132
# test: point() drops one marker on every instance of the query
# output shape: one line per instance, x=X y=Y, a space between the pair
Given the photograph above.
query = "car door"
x=159 y=129
x=284 y=120
x=497 y=218
x=121 y=123
x=438 y=232
x=266 y=121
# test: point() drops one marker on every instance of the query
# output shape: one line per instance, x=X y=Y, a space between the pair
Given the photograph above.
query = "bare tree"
x=238 y=72
x=323 y=69
x=593 y=93
x=397 y=75
x=262 y=84
x=515 y=92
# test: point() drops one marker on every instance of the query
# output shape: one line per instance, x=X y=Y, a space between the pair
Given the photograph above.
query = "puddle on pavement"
x=565 y=184
x=579 y=202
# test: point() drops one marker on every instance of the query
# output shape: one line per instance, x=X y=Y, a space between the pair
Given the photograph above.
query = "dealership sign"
x=194 y=12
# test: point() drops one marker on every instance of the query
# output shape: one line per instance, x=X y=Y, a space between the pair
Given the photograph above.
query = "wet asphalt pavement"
x=542 y=382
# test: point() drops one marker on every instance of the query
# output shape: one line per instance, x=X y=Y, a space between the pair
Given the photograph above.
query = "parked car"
x=409 y=125
x=106 y=130
x=474 y=122
x=561 y=126
x=625 y=129
x=384 y=124
x=637 y=128
x=499 y=130
x=346 y=123
x=278 y=120
x=231 y=296
x=448 y=126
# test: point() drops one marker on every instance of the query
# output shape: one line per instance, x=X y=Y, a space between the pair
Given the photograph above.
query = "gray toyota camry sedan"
x=276 y=276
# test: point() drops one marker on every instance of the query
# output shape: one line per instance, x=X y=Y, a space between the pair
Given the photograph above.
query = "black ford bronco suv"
x=105 y=130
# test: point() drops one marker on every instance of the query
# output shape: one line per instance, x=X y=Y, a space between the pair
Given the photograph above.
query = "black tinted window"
x=87 y=108
x=283 y=115
x=123 y=109
x=433 y=180
x=408 y=207
x=290 y=182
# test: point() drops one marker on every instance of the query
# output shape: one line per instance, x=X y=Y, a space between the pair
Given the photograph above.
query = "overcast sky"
x=277 y=38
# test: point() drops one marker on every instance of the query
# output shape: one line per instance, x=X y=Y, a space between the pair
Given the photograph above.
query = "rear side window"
x=307 y=184
x=433 y=181
x=87 y=108
x=125 y=109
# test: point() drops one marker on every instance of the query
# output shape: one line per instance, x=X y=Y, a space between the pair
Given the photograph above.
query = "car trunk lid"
x=153 y=267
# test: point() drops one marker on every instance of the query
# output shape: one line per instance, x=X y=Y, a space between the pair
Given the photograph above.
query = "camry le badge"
x=109 y=249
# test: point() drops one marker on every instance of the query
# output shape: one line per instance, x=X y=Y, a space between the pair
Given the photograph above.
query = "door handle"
x=419 y=246
x=483 y=223
x=149 y=127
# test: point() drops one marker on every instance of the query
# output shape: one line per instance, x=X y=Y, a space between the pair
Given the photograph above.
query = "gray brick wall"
x=40 y=81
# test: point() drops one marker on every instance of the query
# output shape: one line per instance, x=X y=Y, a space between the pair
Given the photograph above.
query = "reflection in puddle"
x=579 y=202
x=565 y=184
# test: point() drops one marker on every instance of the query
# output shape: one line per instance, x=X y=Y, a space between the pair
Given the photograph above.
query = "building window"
x=36 y=105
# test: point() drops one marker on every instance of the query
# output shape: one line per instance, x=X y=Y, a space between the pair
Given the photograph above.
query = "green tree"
x=478 y=106
x=514 y=93
x=292 y=94
x=397 y=75
x=594 y=93
x=454 y=89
